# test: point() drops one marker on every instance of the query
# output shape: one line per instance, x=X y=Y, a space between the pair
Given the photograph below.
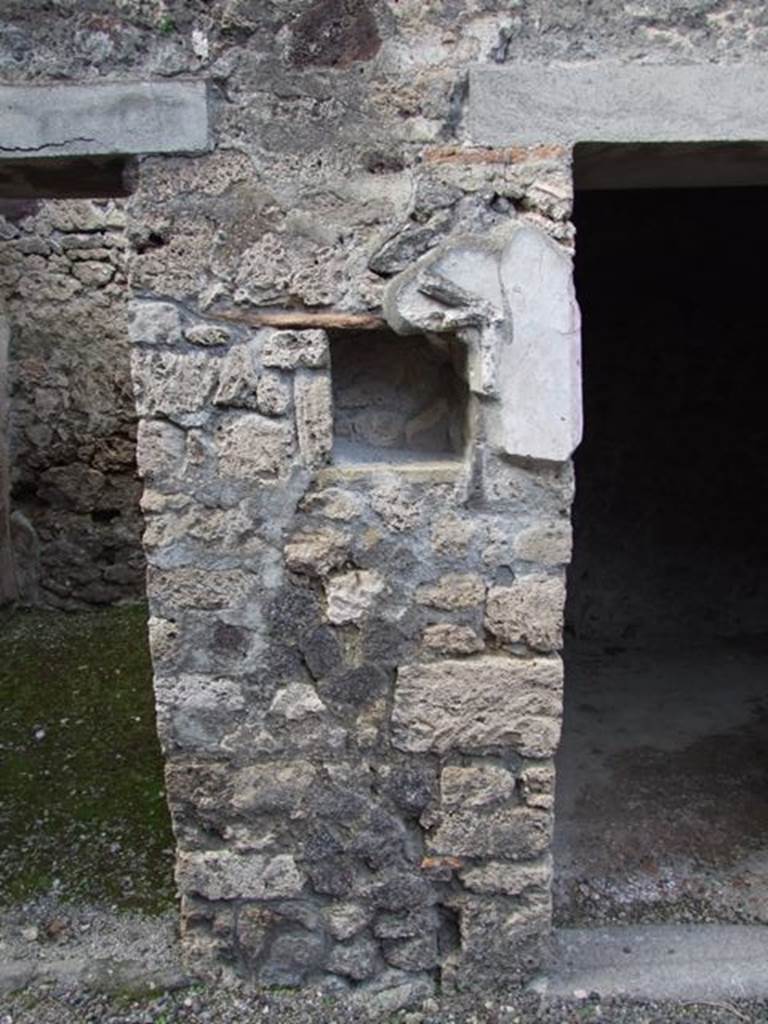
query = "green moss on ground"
x=82 y=804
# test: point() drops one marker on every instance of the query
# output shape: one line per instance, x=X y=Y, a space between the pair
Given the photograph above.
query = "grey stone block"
x=111 y=118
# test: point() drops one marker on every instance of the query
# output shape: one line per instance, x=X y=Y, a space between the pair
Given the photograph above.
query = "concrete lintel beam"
x=114 y=118
x=598 y=102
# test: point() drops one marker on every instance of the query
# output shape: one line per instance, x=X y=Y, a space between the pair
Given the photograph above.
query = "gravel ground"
x=235 y=1006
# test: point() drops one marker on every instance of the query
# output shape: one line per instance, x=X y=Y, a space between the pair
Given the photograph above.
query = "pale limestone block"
x=289 y=350
x=539 y=370
x=351 y=595
x=546 y=543
x=509 y=879
x=154 y=323
x=448 y=638
x=314 y=417
x=238 y=379
x=225 y=875
x=273 y=394
x=171 y=385
x=159 y=449
x=452 y=591
x=475 y=786
x=479 y=703
x=529 y=611
x=316 y=552
x=198 y=692
x=251 y=445
x=514 y=833
x=295 y=702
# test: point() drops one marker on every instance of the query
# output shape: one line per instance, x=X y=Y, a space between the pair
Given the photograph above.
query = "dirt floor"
x=662 y=799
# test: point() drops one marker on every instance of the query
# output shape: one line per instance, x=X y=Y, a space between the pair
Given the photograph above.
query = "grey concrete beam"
x=103 y=119
x=527 y=104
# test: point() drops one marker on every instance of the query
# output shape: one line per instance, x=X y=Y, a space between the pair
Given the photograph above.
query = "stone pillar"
x=7 y=575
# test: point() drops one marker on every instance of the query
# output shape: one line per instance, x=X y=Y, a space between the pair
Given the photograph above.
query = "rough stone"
x=545 y=543
x=314 y=418
x=528 y=611
x=296 y=702
x=476 y=786
x=154 y=323
x=250 y=446
x=447 y=638
x=273 y=787
x=225 y=875
x=515 y=833
x=238 y=380
x=344 y=920
x=289 y=350
x=351 y=595
x=316 y=552
x=508 y=879
x=273 y=394
x=357 y=959
x=455 y=590
x=477 y=704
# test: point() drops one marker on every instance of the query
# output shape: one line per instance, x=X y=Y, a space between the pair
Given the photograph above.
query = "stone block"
x=418 y=953
x=208 y=335
x=514 y=833
x=333 y=503
x=358 y=959
x=273 y=394
x=190 y=587
x=154 y=323
x=509 y=879
x=251 y=446
x=289 y=350
x=529 y=611
x=547 y=543
x=173 y=386
x=452 y=591
x=351 y=595
x=501 y=938
x=295 y=702
x=479 y=703
x=103 y=118
x=448 y=638
x=226 y=875
x=273 y=787
x=316 y=552
x=314 y=417
x=475 y=786
x=238 y=380
x=160 y=449
x=343 y=920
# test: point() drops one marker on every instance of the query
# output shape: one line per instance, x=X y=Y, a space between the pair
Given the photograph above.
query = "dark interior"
x=662 y=806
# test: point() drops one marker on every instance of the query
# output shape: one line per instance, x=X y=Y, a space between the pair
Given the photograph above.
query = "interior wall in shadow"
x=671 y=514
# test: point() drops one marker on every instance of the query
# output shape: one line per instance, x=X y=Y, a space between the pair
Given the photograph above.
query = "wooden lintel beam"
x=306 y=320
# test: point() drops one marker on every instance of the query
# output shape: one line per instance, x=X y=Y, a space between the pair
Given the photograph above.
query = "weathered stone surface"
x=508 y=879
x=455 y=590
x=224 y=875
x=273 y=394
x=292 y=349
x=333 y=503
x=344 y=920
x=515 y=833
x=501 y=938
x=447 y=638
x=292 y=956
x=273 y=787
x=351 y=595
x=201 y=588
x=296 y=702
x=547 y=543
x=476 y=786
x=314 y=419
x=415 y=954
x=250 y=446
x=154 y=323
x=538 y=785
x=159 y=449
x=208 y=335
x=316 y=552
x=173 y=386
x=479 y=703
x=528 y=611
x=238 y=380
x=357 y=959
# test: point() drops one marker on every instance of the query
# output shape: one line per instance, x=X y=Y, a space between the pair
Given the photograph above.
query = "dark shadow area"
x=662 y=804
x=85 y=177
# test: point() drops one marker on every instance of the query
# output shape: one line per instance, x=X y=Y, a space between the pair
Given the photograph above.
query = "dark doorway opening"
x=662 y=802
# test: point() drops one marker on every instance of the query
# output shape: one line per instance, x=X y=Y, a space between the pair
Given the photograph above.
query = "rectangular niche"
x=398 y=400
